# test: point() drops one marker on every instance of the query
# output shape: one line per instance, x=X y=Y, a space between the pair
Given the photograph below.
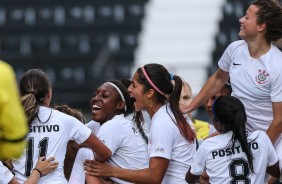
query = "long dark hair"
x=137 y=116
x=230 y=112
x=34 y=86
x=158 y=75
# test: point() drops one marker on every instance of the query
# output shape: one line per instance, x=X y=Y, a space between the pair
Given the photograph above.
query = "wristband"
x=40 y=173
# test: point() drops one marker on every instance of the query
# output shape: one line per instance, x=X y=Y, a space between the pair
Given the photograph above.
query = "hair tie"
x=151 y=82
x=32 y=92
x=171 y=76
x=120 y=93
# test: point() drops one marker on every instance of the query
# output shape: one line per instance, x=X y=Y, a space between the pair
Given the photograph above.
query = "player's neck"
x=258 y=48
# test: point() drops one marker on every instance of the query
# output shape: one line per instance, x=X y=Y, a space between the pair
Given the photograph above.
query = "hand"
x=46 y=166
x=95 y=168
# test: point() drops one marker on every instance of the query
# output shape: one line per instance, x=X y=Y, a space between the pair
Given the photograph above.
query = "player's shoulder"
x=236 y=45
x=63 y=117
x=260 y=137
x=118 y=123
x=256 y=134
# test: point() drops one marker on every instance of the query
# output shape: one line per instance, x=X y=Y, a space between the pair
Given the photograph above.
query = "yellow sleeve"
x=13 y=124
x=202 y=129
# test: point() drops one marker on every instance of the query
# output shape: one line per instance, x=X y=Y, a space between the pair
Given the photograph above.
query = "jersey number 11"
x=43 y=145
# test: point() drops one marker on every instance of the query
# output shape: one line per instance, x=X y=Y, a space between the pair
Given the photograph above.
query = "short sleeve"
x=162 y=141
x=5 y=174
x=79 y=132
x=225 y=61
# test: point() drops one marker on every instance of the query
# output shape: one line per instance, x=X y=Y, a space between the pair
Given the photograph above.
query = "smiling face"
x=248 y=23
x=106 y=103
x=136 y=91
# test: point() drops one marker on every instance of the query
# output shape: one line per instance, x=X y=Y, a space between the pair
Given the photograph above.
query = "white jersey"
x=256 y=82
x=166 y=141
x=49 y=139
x=94 y=126
x=126 y=144
x=147 y=122
x=5 y=174
x=227 y=165
x=78 y=174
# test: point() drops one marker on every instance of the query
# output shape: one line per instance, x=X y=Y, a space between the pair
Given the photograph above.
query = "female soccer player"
x=49 y=130
x=111 y=104
x=234 y=156
x=171 y=143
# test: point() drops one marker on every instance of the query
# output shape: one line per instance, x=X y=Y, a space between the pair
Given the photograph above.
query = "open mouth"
x=132 y=99
x=96 y=108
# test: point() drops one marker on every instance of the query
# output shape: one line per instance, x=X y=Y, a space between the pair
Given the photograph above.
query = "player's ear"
x=120 y=105
x=150 y=93
x=262 y=27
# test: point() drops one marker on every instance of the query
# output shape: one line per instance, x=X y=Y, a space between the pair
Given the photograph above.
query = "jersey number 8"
x=239 y=171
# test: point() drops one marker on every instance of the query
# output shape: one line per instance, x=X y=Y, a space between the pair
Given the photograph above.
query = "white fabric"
x=166 y=141
x=147 y=122
x=212 y=129
x=126 y=144
x=56 y=133
x=94 y=126
x=5 y=174
x=78 y=174
x=214 y=157
x=256 y=82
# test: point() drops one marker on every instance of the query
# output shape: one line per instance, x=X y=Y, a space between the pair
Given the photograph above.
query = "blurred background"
x=81 y=44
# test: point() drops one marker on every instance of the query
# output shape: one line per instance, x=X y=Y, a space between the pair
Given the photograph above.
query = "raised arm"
x=275 y=128
x=212 y=86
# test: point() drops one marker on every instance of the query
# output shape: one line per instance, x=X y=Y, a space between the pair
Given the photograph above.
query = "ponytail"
x=241 y=136
x=181 y=122
x=31 y=106
x=34 y=85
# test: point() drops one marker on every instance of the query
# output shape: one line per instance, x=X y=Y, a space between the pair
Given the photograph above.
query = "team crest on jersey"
x=261 y=78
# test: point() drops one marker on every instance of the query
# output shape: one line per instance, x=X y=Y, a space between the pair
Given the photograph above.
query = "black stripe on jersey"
x=13 y=140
